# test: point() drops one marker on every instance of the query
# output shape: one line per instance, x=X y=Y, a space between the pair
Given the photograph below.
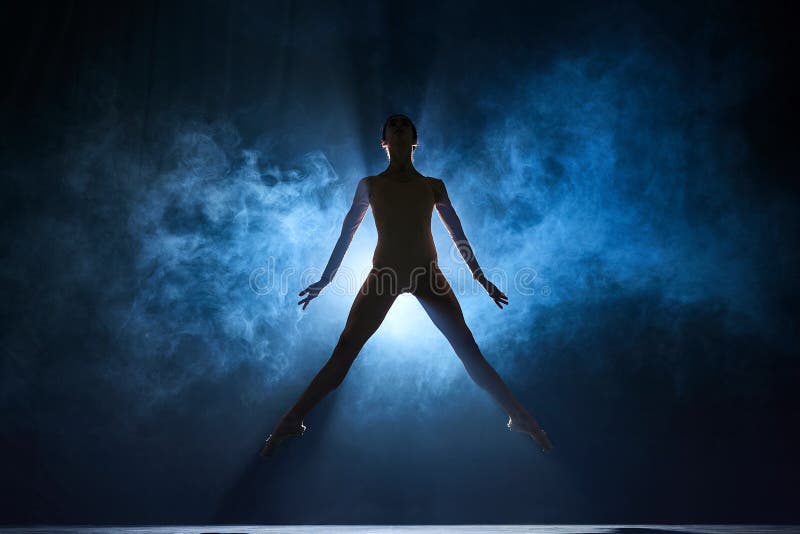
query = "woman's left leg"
x=439 y=302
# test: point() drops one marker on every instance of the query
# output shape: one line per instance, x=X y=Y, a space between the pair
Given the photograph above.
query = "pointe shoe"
x=533 y=430
x=282 y=431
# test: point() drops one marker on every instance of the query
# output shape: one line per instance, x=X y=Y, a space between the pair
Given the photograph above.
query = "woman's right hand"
x=313 y=290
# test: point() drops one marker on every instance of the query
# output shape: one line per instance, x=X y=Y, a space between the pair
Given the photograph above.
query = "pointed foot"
x=284 y=430
x=531 y=427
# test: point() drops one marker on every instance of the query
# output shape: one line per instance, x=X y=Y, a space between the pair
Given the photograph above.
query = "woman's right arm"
x=351 y=223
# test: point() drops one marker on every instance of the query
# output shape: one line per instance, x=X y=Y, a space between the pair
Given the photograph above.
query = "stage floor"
x=409 y=529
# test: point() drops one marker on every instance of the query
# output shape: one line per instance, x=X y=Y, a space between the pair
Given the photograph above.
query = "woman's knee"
x=460 y=336
x=480 y=370
x=470 y=355
x=338 y=365
x=349 y=344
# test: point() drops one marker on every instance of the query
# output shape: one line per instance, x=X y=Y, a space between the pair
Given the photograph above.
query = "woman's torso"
x=402 y=210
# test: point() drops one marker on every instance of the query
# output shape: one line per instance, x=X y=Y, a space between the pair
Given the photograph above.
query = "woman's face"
x=399 y=130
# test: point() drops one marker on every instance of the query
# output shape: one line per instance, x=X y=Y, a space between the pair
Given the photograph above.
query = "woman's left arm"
x=449 y=217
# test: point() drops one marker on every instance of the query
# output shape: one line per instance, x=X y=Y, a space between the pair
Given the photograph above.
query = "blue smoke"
x=153 y=260
x=578 y=189
x=584 y=193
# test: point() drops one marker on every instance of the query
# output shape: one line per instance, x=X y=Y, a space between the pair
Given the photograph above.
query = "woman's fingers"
x=500 y=300
x=308 y=299
x=313 y=290
x=498 y=296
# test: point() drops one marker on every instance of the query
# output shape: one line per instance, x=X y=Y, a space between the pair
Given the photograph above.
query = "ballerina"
x=405 y=260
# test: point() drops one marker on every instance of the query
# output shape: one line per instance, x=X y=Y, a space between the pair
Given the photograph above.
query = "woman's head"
x=398 y=129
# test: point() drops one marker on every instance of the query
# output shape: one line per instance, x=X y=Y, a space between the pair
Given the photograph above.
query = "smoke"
x=583 y=187
x=156 y=241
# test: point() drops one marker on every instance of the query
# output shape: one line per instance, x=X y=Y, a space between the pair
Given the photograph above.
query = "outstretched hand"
x=498 y=296
x=313 y=290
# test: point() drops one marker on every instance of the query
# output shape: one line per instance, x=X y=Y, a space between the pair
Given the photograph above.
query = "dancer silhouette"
x=404 y=260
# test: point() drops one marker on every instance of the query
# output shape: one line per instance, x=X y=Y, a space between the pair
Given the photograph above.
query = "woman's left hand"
x=498 y=296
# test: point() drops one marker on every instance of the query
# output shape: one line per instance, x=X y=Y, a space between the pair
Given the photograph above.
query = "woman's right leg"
x=369 y=308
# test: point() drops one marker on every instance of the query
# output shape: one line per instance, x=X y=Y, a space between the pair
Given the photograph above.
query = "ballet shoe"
x=282 y=431
x=531 y=428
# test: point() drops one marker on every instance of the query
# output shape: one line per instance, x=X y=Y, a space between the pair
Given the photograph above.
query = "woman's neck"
x=400 y=164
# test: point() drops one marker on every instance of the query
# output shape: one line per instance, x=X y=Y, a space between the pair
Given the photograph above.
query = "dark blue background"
x=638 y=157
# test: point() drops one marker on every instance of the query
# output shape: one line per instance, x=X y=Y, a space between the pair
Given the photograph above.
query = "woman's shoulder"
x=437 y=183
x=367 y=181
x=438 y=188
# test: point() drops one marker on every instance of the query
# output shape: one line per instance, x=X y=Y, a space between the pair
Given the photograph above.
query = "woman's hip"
x=416 y=279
